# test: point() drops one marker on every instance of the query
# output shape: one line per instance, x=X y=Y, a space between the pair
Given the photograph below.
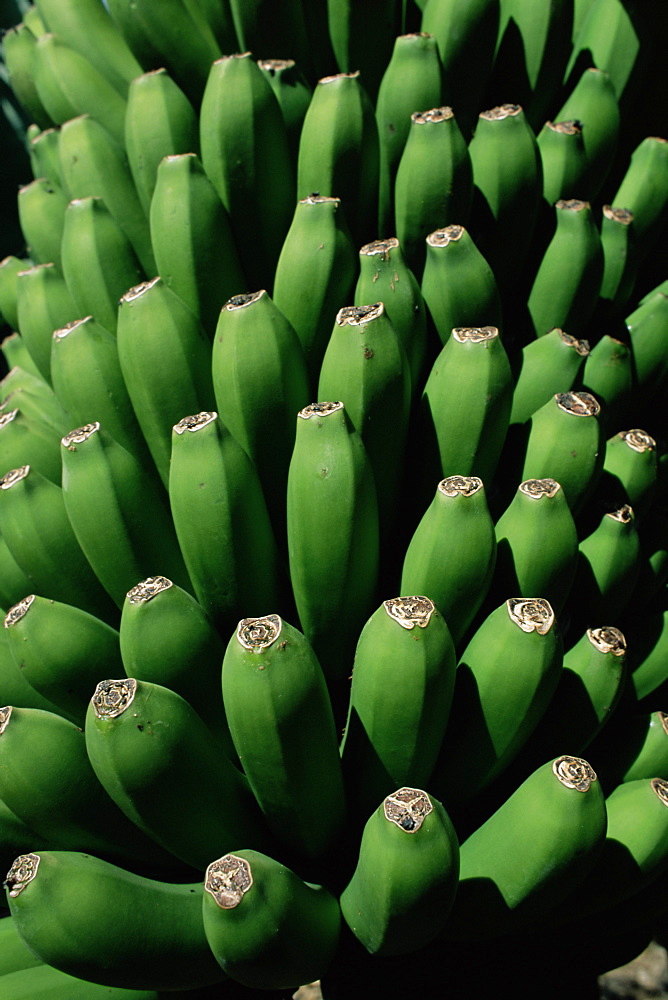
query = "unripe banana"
x=69 y=84
x=551 y=363
x=332 y=533
x=593 y=103
x=339 y=152
x=508 y=184
x=630 y=469
x=293 y=93
x=362 y=33
x=221 y=521
x=44 y=305
x=537 y=544
x=495 y=708
x=566 y=287
x=458 y=284
x=644 y=191
x=98 y=261
x=34 y=398
x=10 y=268
x=266 y=928
x=87 y=27
x=403 y=681
x=20 y=364
x=566 y=443
x=93 y=164
x=609 y=374
x=403 y=887
x=452 y=553
x=620 y=261
x=246 y=157
x=41 y=214
x=608 y=39
x=191 y=234
x=105 y=485
x=159 y=121
x=608 y=567
x=315 y=274
x=14 y=955
x=272 y=28
x=13 y=583
x=651 y=756
x=466 y=404
x=18 y=53
x=646 y=326
x=282 y=725
x=365 y=366
x=158 y=333
x=434 y=184
x=28 y=440
x=46 y=779
x=39 y=536
x=384 y=275
x=43 y=151
x=412 y=79
x=15 y=689
x=167 y=639
x=153 y=755
x=556 y=823
x=61 y=651
x=649 y=638
x=99 y=922
x=50 y=984
x=260 y=381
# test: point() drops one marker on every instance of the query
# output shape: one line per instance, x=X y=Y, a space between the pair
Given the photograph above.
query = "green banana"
x=494 y=710
x=608 y=374
x=412 y=79
x=564 y=161
x=98 y=261
x=98 y=922
x=18 y=53
x=152 y=753
x=365 y=366
x=39 y=536
x=404 y=885
x=644 y=191
x=86 y=26
x=28 y=440
x=69 y=84
x=403 y=681
x=630 y=469
x=10 y=268
x=93 y=164
x=566 y=443
x=607 y=37
x=434 y=183
x=41 y=214
x=61 y=651
x=246 y=157
x=267 y=928
x=332 y=518
x=452 y=553
x=14 y=955
x=260 y=381
x=384 y=275
x=86 y=346
x=13 y=583
x=608 y=567
x=117 y=512
x=159 y=121
x=166 y=638
x=650 y=759
x=44 y=305
x=293 y=93
x=36 y=400
x=315 y=274
x=458 y=284
x=466 y=404
x=649 y=636
x=551 y=363
x=283 y=729
x=537 y=544
x=507 y=179
x=593 y=103
x=191 y=234
x=158 y=333
x=233 y=563
x=362 y=34
x=43 y=151
x=15 y=690
x=646 y=326
x=339 y=151
x=47 y=780
x=50 y=984
x=555 y=821
x=620 y=263
x=19 y=362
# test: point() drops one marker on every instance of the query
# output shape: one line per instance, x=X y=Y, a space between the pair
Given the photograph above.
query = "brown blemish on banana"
x=464 y=486
x=339 y=76
x=195 y=422
x=570 y=127
x=380 y=248
x=318 y=199
x=442 y=237
x=407 y=808
x=500 y=112
x=359 y=315
x=112 y=698
x=434 y=115
x=18 y=610
x=638 y=440
x=538 y=488
x=259 y=633
x=623 y=514
x=660 y=789
x=140 y=289
x=5 y=716
x=581 y=346
x=474 y=334
x=663 y=719
x=319 y=410
x=243 y=300
x=15 y=476
x=572 y=205
x=531 y=614
x=64 y=331
x=574 y=772
x=22 y=872
x=410 y=611
x=146 y=589
x=578 y=404
x=8 y=418
x=624 y=216
x=227 y=880
x=79 y=435
x=275 y=65
x=607 y=640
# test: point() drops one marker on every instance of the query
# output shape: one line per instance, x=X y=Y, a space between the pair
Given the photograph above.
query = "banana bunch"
x=333 y=524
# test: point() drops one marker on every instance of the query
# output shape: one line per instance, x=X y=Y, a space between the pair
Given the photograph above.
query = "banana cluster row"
x=215 y=239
